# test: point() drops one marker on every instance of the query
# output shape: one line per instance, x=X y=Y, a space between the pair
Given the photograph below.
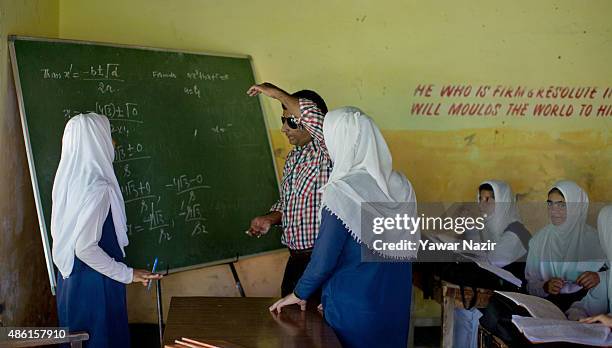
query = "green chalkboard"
x=193 y=156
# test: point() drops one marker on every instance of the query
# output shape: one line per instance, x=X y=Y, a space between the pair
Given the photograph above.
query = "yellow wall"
x=373 y=54
x=24 y=284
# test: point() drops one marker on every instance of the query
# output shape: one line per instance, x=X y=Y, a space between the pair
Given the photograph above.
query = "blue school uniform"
x=92 y=302
x=366 y=303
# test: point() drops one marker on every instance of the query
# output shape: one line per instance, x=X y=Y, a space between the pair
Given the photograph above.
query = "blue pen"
x=152 y=271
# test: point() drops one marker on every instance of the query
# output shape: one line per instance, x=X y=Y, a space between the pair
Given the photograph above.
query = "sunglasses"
x=290 y=122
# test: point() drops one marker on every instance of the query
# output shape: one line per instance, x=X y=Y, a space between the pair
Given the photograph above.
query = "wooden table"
x=246 y=322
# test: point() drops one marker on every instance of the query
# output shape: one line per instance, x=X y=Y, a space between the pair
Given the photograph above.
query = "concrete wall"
x=24 y=284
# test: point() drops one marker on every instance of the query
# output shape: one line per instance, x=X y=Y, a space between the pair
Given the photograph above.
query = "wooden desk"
x=451 y=299
x=247 y=322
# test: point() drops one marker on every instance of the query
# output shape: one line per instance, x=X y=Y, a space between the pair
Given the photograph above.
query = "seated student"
x=88 y=227
x=596 y=306
x=366 y=303
x=502 y=226
x=564 y=256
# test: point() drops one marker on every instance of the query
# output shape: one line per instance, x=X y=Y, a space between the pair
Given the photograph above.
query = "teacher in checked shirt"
x=306 y=170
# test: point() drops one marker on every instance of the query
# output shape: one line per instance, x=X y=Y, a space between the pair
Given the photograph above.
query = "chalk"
x=250 y=234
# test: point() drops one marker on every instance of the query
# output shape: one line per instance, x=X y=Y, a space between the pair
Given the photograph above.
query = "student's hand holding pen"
x=143 y=276
x=588 y=280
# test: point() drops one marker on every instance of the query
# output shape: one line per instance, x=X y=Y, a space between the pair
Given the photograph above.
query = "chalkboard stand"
x=160 y=316
x=160 y=310
x=236 y=278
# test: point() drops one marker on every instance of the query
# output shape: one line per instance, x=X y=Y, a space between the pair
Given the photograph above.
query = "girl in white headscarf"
x=565 y=256
x=367 y=303
x=502 y=226
x=88 y=227
x=596 y=306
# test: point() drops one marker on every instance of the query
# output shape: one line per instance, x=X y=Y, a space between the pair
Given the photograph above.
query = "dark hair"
x=554 y=189
x=312 y=96
x=486 y=187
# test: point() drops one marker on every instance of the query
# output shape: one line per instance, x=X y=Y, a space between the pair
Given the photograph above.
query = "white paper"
x=536 y=306
x=550 y=330
x=570 y=287
x=500 y=272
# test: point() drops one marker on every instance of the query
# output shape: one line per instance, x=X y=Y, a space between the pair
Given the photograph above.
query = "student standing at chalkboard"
x=88 y=226
x=306 y=170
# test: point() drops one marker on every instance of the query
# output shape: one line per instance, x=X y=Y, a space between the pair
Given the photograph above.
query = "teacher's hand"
x=261 y=225
x=602 y=318
x=144 y=276
x=288 y=300
x=588 y=280
x=267 y=89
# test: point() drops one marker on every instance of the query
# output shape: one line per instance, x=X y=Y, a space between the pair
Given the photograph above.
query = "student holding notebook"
x=546 y=323
x=565 y=256
x=88 y=227
x=366 y=303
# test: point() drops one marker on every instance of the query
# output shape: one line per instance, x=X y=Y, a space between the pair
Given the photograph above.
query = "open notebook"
x=549 y=324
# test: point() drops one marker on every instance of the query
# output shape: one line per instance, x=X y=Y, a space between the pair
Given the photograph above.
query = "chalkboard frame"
x=26 y=136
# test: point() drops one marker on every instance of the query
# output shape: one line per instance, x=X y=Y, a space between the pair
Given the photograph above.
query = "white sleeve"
x=88 y=251
x=99 y=260
x=535 y=283
x=594 y=303
x=508 y=249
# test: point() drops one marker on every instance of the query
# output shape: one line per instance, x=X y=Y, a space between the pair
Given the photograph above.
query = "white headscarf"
x=604 y=227
x=505 y=211
x=85 y=187
x=362 y=172
x=567 y=250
